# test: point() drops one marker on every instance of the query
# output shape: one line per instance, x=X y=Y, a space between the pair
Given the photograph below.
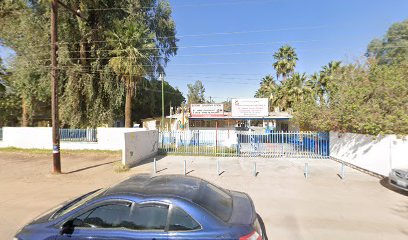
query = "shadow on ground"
x=89 y=167
x=148 y=161
x=384 y=182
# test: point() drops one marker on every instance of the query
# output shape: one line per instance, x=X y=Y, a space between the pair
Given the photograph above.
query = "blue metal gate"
x=245 y=143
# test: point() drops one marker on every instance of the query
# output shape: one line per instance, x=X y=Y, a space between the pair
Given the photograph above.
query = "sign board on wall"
x=250 y=107
x=207 y=110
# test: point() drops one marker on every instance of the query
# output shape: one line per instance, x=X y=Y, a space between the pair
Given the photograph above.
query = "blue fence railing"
x=78 y=135
x=245 y=143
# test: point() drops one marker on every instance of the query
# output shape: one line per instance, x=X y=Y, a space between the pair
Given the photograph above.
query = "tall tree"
x=133 y=46
x=89 y=88
x=268 y=89
x=2 y=80
x=285 y=61
x=292 y=91
x=322 y=82
x=393 y=47
x=10 y=106
x=195 y=93
x=142 y=45
x=148 y=99
x=23 y=30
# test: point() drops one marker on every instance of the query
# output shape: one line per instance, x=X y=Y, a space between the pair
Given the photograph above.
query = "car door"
x=115 y=220
x=150 y=220
x=183 y=226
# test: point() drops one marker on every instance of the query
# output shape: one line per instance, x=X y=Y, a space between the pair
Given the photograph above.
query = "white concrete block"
x=139 y=146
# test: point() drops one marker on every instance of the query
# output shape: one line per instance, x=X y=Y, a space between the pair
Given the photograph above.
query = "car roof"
x=179 y=186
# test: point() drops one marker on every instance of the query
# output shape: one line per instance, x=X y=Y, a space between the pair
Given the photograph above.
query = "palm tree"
x=133 y=47
x=292 y=91
x=267 y=89
x=321 y=82
x=285 y=64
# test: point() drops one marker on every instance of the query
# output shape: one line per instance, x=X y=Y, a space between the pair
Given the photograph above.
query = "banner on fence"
x=207 y=110
x=250 y=107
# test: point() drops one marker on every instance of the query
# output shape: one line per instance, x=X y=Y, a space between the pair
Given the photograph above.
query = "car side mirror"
x=77 y=222
x=68 y=227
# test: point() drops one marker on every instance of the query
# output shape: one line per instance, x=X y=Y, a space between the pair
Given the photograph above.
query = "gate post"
x=238 y=145
x=218 y=167
x=342 y=170
x=306 y=173
x=198 y=140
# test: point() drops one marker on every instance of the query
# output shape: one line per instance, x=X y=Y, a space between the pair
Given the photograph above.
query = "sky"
x=228 y=44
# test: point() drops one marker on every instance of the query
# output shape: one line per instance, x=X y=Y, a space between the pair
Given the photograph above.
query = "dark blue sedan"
x=144 y=207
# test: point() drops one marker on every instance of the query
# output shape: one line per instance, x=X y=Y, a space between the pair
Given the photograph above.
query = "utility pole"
x=54 y=89
x=162 y=120
x=54 y=84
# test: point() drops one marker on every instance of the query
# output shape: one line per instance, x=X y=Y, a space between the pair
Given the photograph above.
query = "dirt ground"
x=323 y=206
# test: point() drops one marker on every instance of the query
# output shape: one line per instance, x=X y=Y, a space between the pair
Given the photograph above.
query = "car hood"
x=45 y=217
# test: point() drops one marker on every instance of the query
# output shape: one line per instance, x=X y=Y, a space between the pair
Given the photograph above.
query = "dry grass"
x=118 y=167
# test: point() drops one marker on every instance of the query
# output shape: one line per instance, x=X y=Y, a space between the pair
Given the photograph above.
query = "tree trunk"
x=25 y=116
x=83 y=53
x=128 y=104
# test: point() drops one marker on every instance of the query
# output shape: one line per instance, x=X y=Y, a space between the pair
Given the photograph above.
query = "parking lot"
x=323 y=206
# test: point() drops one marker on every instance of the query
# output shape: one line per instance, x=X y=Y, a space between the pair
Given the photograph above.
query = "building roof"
x=228 y=115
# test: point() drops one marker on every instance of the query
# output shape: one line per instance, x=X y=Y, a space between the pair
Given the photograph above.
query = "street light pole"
x=54 y=89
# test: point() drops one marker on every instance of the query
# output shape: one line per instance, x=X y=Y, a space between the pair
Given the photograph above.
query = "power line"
x=203 y=64
x=195 y=5
x=82 y=68
x=182 y=47
x=188 y=55
x=93 y=72
x=250 y=31
x=222 y=45
x=155 y=7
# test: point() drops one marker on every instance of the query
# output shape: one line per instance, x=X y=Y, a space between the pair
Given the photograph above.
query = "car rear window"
x=215 y=200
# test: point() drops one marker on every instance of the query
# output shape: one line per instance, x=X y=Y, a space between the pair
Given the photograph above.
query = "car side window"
x=181 y=221
x=149 y=217
x=107 y=216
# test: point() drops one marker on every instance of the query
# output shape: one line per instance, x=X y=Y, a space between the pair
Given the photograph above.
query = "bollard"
x=185 y=167
x=218 y=167
x=342 y=170
x=254 y=169
x=154 y=166
x=306 y=170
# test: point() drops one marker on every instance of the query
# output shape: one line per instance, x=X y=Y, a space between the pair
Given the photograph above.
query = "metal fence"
x=1 y=134
x=245 y=143
x=78 y=135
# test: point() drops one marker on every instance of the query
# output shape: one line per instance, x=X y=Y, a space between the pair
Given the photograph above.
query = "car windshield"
x=215 y=200
x=76 y=203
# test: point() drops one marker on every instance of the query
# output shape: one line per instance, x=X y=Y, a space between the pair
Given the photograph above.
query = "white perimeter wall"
x=139 y=146
x=376 y=154
x=41 y=138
